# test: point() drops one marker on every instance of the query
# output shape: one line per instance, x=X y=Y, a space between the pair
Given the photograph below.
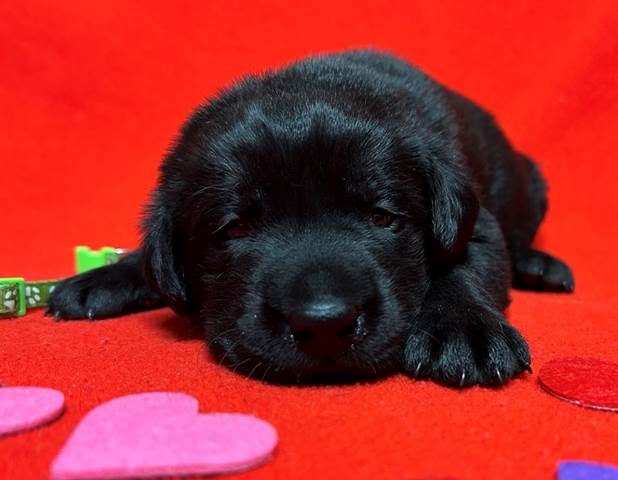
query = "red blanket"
x=91 y=94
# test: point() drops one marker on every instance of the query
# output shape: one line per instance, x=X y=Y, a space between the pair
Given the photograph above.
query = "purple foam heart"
x=154 y=434
x=578 y=470
x=23 y=408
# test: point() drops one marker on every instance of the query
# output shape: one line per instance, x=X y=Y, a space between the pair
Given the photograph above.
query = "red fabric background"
x=91 y=94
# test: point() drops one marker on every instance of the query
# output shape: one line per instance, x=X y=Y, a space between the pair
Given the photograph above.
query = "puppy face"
x=301 y=238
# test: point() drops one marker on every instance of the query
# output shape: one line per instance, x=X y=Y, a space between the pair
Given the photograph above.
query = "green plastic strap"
x=16 y=295
x=87 y=259
x=12 y=297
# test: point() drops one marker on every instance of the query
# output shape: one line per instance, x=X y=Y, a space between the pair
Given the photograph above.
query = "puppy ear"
x=162 y=256
x=454 y=207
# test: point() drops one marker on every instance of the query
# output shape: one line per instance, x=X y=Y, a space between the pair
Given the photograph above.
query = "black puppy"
x=343 y=214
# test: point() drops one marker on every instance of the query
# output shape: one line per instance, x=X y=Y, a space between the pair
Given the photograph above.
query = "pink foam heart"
x=23 y=408
x=154 y=434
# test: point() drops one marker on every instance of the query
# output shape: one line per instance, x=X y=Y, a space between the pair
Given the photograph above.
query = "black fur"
x=350 y=184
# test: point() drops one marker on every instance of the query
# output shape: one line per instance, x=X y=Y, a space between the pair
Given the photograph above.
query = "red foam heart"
x=154 y=434
x=583 y=381
x=23 y=408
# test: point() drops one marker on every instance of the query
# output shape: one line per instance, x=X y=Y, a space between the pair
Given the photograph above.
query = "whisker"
x=265 y=372
x=228 y=351
x=421 y=330
x=240 y=363
x=218 y=336
x=253 y=369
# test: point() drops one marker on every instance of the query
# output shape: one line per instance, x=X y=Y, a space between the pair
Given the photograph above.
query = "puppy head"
x=302 y=236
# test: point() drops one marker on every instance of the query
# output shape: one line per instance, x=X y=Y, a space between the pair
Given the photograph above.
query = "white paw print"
x=9 y=299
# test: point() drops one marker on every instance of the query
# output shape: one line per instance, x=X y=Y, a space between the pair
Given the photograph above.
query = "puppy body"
x=343 y=214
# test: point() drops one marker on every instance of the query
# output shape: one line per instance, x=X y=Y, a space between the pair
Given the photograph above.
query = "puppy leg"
x=534 y=269
x=461 y=336
x=104 y=292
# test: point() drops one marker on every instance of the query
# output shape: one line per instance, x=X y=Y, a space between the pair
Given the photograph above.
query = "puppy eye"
x=381 y=217
x=237 y=229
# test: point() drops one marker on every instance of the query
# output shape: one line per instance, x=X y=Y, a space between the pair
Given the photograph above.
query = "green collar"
x=17 y=295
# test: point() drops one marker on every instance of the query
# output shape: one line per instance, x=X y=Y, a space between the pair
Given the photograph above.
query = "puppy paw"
x=100 y=293
x=473 y=347
x=536 y=270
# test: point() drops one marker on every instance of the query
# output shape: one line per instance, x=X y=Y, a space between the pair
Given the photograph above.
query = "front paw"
x=89 y=295
x=465 y=346
x=104 y=292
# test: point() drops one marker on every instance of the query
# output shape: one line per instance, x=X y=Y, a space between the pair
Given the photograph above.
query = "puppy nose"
x=326 y=327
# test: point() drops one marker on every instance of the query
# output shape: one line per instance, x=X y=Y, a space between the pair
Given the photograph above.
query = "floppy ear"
x=162 y=256
x=454 y=208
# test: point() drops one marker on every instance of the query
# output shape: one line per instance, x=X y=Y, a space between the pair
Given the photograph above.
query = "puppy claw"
x=90 y=314
x=463 y=379
x=527 y=367
x=418 y=369
x=499 y=375
x=57 y=315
